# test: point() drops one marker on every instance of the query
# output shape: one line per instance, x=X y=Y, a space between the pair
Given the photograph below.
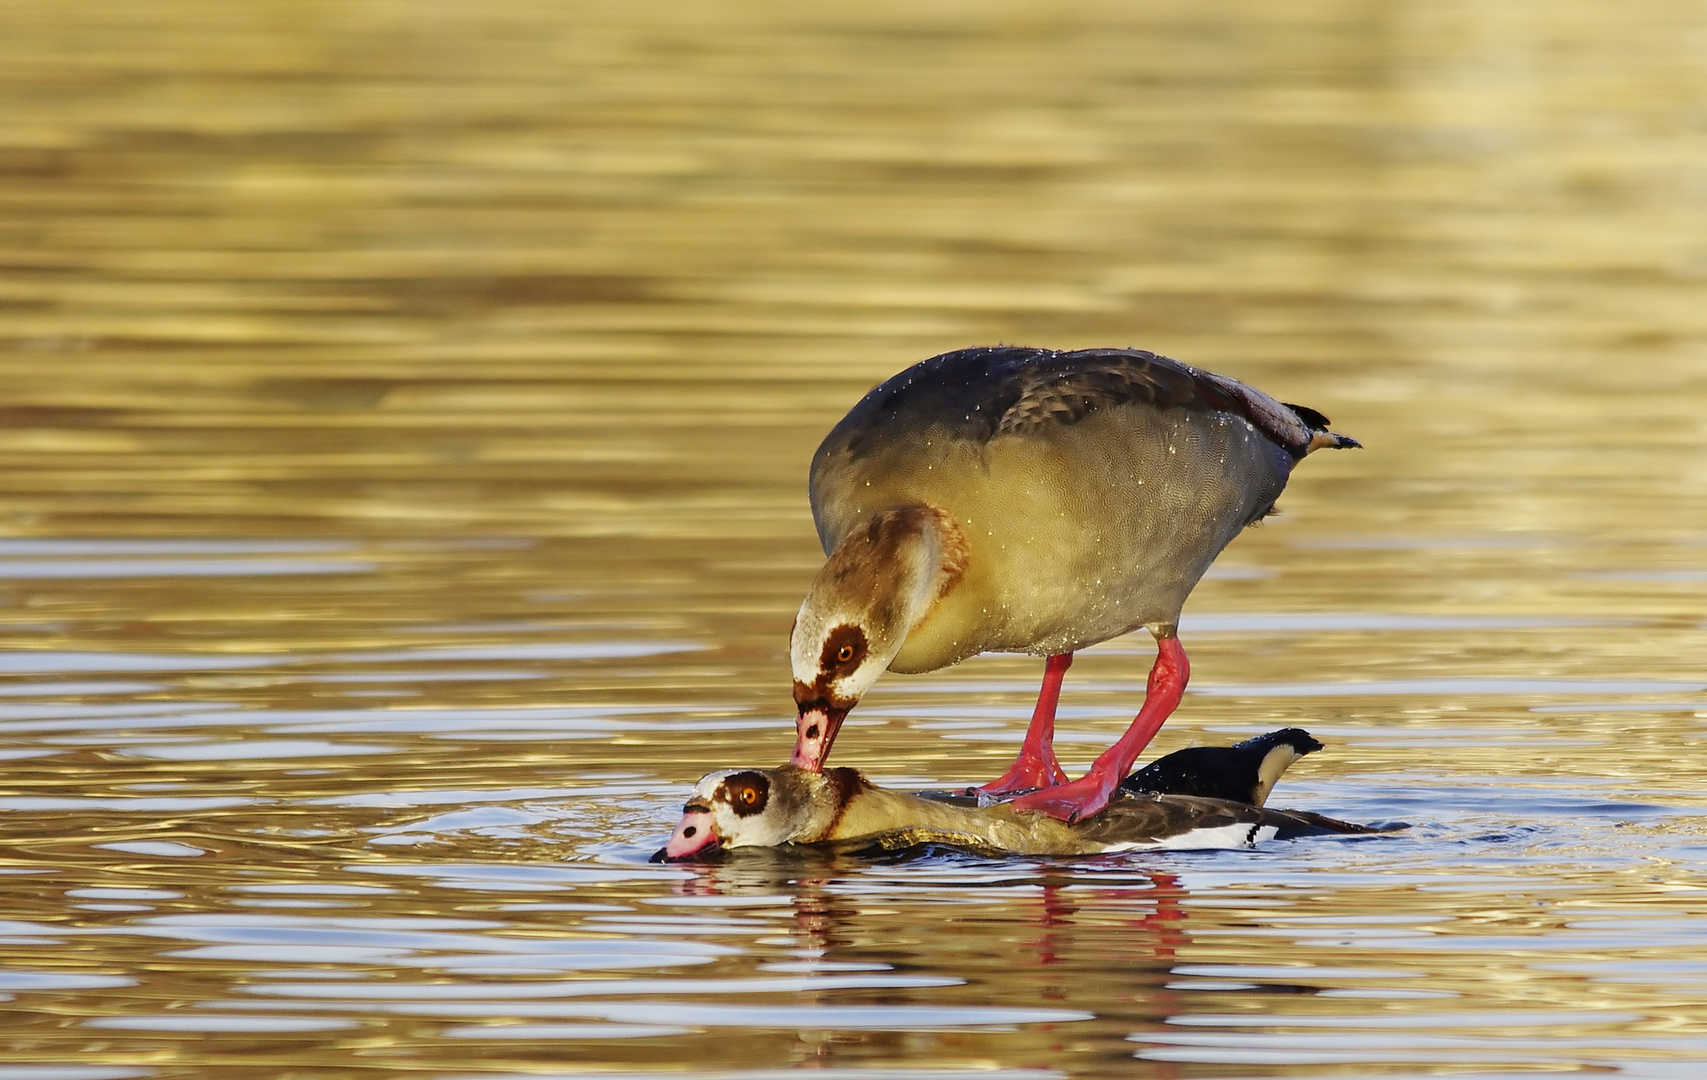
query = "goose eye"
x=746 y=794
x=844 y=654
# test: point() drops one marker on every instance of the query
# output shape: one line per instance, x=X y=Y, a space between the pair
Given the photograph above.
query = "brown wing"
x=1130 y=818
x=1133 y=818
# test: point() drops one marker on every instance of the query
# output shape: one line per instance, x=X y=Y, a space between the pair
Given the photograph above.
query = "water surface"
x=404 y=415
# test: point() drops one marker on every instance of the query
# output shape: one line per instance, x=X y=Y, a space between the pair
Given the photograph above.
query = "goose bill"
x=694 y=835
x=815 y=731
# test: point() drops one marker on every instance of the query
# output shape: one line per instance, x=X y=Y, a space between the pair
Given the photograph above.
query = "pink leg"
x=1090 y=793
x=1036 y=766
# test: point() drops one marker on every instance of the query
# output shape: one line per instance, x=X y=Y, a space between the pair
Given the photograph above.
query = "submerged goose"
x=1022 y=500
x=736 y=808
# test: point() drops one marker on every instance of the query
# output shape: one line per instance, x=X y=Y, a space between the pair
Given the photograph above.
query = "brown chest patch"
x=845 y=785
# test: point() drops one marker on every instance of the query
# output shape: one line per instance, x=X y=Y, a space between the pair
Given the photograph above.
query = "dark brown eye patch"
x=746 y=792
x=844 y=649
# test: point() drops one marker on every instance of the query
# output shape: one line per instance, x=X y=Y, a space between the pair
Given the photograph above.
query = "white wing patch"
x=1242 y=834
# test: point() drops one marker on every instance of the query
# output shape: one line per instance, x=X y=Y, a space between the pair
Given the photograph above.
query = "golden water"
x=404 y=412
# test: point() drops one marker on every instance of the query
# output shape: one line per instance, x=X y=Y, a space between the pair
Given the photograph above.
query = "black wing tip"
x=1297 y=824
x=1313 y=420
x=1301 y=741
x=1320 y=436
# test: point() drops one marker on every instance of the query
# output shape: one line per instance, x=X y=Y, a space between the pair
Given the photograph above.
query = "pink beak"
x=693 y=835
x=815 y=730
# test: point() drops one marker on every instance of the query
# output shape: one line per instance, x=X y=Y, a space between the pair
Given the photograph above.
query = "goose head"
x=736 y=808
x=882 y=579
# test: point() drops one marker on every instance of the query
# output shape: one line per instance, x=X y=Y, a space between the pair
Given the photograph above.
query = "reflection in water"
x=404 y=413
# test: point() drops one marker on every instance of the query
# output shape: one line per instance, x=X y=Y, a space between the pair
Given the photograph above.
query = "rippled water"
x=404 y=413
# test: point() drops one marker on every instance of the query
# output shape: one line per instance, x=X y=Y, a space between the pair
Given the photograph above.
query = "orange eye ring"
x=747 y=796
x=844 y=654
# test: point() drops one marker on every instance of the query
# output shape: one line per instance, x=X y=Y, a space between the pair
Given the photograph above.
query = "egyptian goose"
x=736 y=808
x=1023 y=500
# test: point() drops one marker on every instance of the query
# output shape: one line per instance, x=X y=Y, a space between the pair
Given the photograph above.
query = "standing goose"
x=1009 y=499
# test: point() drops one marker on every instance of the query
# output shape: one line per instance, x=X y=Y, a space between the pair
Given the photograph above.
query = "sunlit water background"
x=404 y=415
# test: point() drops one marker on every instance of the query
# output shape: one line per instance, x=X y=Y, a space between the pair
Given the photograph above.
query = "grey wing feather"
x=980 y=393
